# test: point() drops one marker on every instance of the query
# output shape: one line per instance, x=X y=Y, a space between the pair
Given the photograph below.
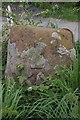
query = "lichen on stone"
x=40 y=75
x=39 y=78
x=73 y=53
x=35 y=55
x=12 y=61
x=56 y=36
x=62 y=50
x=46 y=66
x=37 y=60
x=28 y=53
x=40 y=47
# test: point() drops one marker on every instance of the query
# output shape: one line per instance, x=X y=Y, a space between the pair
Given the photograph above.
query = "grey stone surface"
x=12 y=60
x=39 y=78
x=35 y=52
x=35 y=55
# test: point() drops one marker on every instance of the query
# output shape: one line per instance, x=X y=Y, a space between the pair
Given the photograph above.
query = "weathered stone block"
x=40 y=50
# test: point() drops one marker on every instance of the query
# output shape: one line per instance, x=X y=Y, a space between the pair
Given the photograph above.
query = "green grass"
x=66 y=11
x=54 y=98
x=11 y=98
x=0 y=100
x=55 y=101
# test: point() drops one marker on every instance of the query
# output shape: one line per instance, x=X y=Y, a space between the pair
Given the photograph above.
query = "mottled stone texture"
x=40 y=50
